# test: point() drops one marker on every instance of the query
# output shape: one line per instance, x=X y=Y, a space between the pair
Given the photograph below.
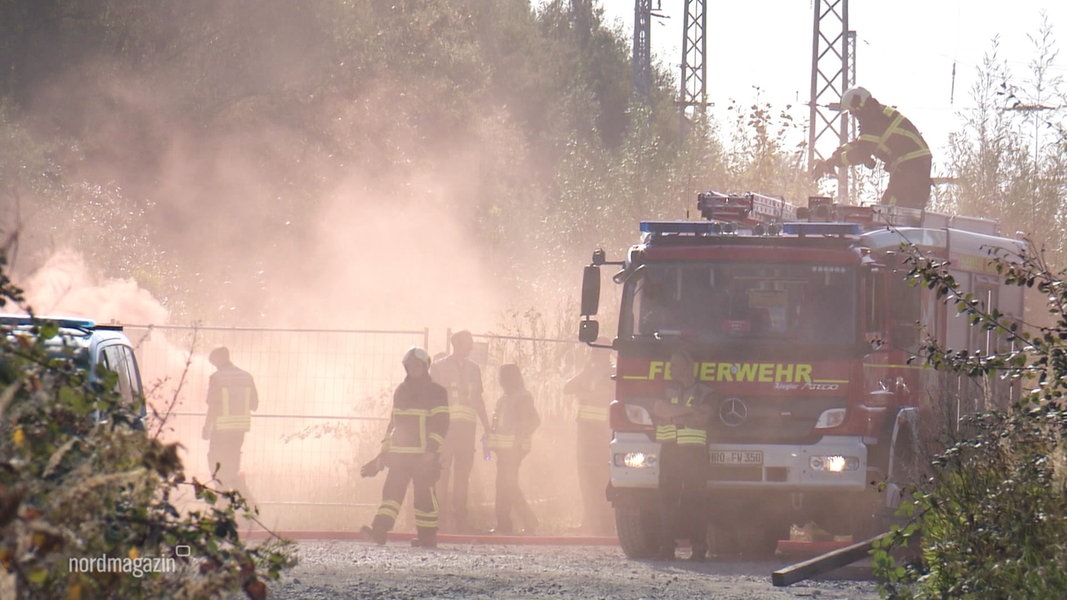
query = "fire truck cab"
x=803 y=324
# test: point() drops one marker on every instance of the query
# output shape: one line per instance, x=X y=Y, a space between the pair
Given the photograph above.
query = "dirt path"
x=351 y=569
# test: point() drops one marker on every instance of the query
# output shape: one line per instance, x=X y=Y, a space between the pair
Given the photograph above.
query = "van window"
x=121 y=360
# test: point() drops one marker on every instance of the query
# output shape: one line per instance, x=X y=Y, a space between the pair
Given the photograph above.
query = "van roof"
x=74 y=332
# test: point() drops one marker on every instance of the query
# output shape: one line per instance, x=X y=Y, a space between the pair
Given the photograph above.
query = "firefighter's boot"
x=426 y=538
x=377 y=534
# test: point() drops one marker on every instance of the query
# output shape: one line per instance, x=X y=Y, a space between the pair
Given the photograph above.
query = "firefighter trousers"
x=683 y=485
x=224 y=450
x=909 y=184
x=413 y=469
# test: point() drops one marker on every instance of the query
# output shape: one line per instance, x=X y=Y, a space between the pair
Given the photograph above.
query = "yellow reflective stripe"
x=420 y=415
x=463 y=413
x=437 y=438
x=437 y=410
x=689 y=435
x=426 y=518
x=501 y=441
x=666 y=433
x=411 y=412
x=389 y=508
x=895 y=129
x=889 y=131
x=237 y=422
x=910 y=156
x=592 y=413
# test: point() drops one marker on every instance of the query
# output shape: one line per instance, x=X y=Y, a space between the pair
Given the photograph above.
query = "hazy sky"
x=905 y=49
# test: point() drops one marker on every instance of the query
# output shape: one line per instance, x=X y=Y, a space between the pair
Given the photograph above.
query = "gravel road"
x=356 y=569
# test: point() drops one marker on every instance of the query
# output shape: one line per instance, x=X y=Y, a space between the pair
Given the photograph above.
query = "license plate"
x=737 y=457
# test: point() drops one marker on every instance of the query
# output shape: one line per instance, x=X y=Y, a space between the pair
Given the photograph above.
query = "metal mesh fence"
x=324 y=396
x=324 y=402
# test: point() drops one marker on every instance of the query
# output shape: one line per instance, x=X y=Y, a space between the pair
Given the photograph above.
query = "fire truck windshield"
x=743 y=302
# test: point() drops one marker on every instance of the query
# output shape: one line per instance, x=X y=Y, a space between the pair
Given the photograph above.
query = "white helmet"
x=854 y=98
x=415 y=353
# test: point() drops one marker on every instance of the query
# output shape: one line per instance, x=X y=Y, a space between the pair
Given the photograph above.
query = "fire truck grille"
x=754 y=420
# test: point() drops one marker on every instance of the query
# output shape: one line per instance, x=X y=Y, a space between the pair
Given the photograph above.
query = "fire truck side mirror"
x=588 y=331
x=590 y=290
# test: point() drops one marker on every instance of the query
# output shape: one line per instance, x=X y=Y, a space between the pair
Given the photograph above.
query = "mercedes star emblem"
x=733 y=412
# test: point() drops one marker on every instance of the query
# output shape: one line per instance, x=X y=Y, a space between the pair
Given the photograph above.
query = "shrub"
x=90 y=509
x=991 y=521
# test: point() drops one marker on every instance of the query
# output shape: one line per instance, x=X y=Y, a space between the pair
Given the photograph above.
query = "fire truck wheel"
x=637 y=528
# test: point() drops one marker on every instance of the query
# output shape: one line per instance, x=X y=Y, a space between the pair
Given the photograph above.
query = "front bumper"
x=786 y=468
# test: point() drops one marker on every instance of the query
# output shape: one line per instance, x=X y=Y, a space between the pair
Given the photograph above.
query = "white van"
x=88 y=345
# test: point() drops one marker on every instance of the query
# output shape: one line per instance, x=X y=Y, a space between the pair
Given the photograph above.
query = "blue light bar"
x=690 y=227
x=12 y=320
x=803 y=229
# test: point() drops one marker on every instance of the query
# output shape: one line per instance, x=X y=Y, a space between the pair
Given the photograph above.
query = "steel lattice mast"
x=833 y=70
x=642 y=50
x=693 y=98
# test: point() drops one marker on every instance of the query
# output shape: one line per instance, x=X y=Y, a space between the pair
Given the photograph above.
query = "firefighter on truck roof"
x=462 y=377
x=682 y=420
x=411 y=451
x=889 y=136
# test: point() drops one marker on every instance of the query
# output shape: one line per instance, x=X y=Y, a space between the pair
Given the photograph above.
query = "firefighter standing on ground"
x=682 y=419
x=463 y=379
x=593 y=389
x=231 y=398
x=514 y=421
x=411 y=451
x=887 y=135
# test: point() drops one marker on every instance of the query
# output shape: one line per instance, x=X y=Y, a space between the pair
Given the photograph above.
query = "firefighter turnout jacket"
x=231 y=398
x=683 y=416
x=419 y=421
x=885 y=134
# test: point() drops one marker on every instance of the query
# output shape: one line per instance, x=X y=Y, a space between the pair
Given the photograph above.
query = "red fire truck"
x=802 y=322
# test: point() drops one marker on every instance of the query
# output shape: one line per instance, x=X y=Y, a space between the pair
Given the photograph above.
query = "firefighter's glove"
x=372 y=468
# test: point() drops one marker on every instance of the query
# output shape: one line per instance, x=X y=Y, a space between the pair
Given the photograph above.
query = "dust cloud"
x=64 y=285
x=244 y=223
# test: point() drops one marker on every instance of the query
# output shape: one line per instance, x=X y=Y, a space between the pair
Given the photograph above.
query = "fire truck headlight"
x=635 y=460
x=834 y=464
x=638 y=415
x=830 y=418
